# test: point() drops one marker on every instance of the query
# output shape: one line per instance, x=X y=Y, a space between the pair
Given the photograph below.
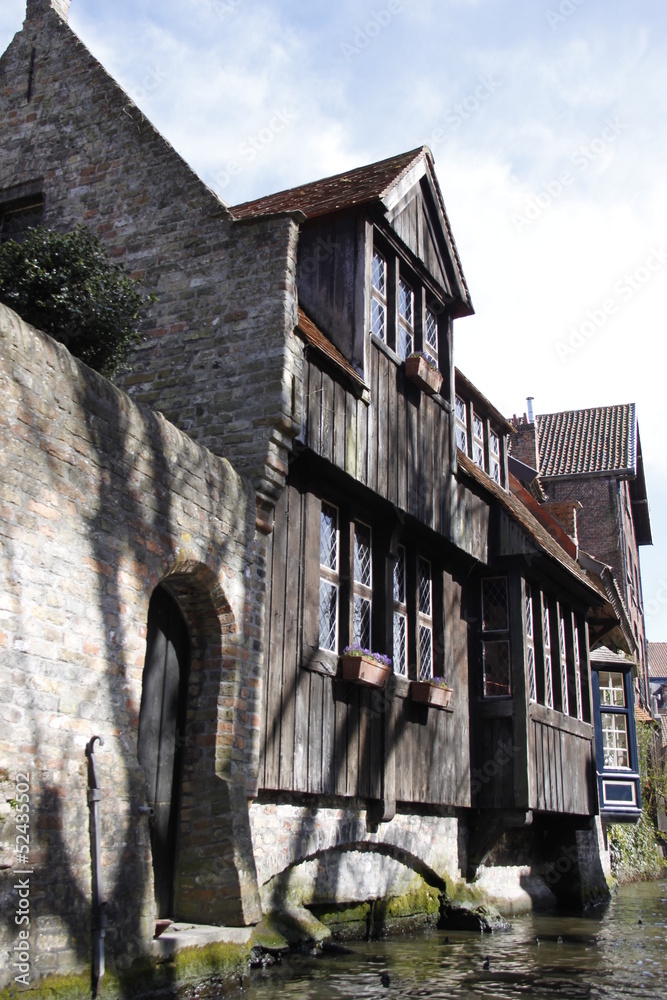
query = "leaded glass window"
x=577 y=673
x=496 y=667
x=362 y=586
x=565 y=697
x=400 y=658
x=478 y=440
x=425 y=620
x=329 y=577
x=431 y=334
x=462 y=425
x=494 y=456
x=530 y=644
x=546 y=638
x=379 y=296
x=405 y=340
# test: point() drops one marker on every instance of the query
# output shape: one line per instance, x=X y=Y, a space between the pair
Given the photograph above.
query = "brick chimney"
x=524 y=443
x=36 y=8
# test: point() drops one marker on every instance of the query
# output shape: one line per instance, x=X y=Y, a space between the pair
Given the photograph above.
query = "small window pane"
x=400 y=660
x=329 y=537
x=494 y=604
x=461 y=411
x=496 y=656
x=405 y=344
x=431 y=332
x=328 y=615
x=424 y=587
x=379 y=273
x=425 y=652
x=405 y=301
x=612 y=689
x=379 y=320
x=362 y=555
x=399 y=576
x=494 y=444
x=615 y=739
x=362 y=621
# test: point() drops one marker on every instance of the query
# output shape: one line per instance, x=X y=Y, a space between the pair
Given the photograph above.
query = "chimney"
x=524 y=445
x=36 y=8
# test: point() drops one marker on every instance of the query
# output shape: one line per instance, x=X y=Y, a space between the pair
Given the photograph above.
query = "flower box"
x=429 y=693
x=365 y=670
x=423 y=374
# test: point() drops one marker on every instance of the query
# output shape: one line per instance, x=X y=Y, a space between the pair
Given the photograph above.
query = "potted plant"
x=434 y=691
x=423 y=371
x=363 y=666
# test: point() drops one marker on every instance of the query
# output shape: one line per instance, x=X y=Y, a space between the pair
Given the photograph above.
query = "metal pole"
x=99 y=916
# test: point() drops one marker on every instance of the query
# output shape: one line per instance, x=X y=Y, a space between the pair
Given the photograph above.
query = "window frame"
x=330 y=576
x=490 y=637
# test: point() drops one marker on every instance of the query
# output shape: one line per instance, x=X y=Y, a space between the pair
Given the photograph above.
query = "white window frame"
x=406 y=324
x=529 y=627
x=400 y=613
x=362 y=591
x=478 y=456
x=461 y=408
x=424 y=620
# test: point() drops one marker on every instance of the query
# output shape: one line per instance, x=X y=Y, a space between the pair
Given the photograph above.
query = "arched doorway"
x=162 y=734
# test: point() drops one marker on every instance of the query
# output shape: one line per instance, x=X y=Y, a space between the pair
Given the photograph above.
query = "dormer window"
x=379 y=297
x=431 y=334
x=406 y=319
x=478 y=440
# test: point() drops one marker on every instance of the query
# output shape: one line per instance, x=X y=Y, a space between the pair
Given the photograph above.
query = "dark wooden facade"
x=382 y=452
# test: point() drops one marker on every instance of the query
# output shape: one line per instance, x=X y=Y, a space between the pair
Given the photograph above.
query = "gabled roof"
x=657 y=659
x=601 y=439
x=332 y=194
x=384 y=183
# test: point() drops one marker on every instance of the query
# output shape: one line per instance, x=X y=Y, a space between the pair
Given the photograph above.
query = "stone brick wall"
x=286 y=832
x=226 y=302
x=101 y=500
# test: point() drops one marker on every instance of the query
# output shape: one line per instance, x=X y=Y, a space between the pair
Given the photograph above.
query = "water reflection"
x=615 y=953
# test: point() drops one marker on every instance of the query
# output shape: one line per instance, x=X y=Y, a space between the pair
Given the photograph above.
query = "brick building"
x=591 y=469
x=189 y=554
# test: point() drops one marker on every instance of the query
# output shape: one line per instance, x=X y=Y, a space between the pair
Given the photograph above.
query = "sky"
x=547 y=121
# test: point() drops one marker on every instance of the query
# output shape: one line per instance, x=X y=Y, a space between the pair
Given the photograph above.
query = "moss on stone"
x=267 y=937
x=225 y=963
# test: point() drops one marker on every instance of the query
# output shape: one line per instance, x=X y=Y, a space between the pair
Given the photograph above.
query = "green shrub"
x=635 y=852
x=65 y=285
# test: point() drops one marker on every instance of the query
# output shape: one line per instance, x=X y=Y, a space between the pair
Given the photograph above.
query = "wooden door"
x=161 y=734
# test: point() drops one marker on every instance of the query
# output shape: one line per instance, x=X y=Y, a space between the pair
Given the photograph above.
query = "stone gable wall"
x=220 y=358
x=101 y=500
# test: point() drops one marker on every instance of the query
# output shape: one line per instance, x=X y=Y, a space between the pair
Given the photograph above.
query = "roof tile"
x=601 y=439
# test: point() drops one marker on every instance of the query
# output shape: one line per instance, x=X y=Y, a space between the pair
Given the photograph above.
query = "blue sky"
x=547 y=120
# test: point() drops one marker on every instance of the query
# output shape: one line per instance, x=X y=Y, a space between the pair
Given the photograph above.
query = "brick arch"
x=215 y=879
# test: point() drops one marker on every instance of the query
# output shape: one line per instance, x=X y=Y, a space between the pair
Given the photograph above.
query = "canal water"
x=618 y=952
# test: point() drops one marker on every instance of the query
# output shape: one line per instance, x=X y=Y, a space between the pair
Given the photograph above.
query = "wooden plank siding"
x=326 y=736
x=561 y=755
x=397 y=445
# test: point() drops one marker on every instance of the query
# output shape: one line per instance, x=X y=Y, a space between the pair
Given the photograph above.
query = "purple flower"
x=356 y=650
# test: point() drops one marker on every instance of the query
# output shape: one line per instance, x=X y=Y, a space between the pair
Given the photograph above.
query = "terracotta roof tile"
x=641 y=715
x=314 y=336
x=520 y=513
x=353 y=187
x=601 y=439
x=657 y=659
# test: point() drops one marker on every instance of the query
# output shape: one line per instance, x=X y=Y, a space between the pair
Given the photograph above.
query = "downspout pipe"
x=99 y=915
